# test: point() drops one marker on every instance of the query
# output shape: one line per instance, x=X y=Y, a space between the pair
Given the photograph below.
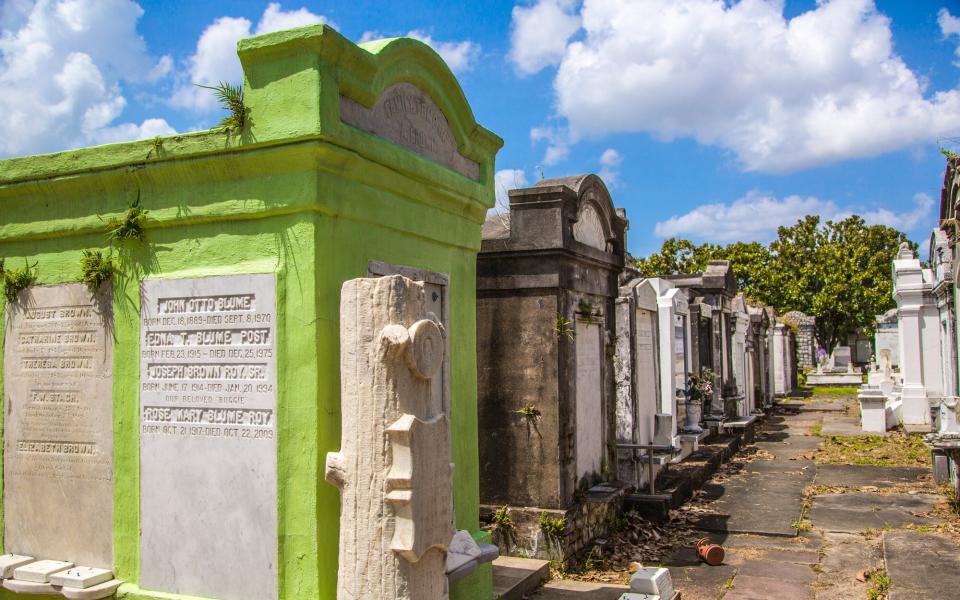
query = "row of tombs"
x=301 y=361
x=914 y=383
x=584 y=367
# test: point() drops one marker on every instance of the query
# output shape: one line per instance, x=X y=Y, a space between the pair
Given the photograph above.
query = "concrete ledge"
x=677 y=483
x=835 y=379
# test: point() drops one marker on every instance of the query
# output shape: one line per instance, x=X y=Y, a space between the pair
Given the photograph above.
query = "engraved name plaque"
x=208 y=449
x=407 y=116
x=58 y=431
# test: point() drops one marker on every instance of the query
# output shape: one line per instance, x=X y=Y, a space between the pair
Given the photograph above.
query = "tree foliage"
x=839 y=271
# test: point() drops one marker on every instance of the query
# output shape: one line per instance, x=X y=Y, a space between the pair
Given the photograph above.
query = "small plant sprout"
x=16 y=280
x=157 y=143
x=530 y=412
x=500 y=520
x=130 y=226
x=554 y=527
x=564 y=328
x=95 y=269
x=230 y=98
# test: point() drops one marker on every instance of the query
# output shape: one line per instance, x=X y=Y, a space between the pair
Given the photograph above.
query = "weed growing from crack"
x=96 y=270
x=16 y=280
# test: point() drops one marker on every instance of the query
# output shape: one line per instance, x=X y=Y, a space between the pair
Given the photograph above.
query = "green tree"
x=839 y=271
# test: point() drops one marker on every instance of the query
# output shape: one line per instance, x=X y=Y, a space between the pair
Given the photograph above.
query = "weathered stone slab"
x=58 y=433
x=208 y=448
x=40 y=571
x=406 y=115
x=855 y=512
x=921 y=565
x=857 y=475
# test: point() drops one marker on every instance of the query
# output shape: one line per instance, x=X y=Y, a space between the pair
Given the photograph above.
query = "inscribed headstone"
x=841 y=356
x=58 y=430
x=208 y=448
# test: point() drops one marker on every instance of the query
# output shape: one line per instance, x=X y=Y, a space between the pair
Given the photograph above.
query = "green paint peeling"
x=297 y=193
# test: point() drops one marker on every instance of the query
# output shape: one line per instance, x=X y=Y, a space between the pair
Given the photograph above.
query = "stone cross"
x=393 y=468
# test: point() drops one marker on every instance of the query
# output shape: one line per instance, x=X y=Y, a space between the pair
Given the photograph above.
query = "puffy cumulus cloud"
x=904 y=221
x=609 y=166
x=558 y=143
x=215 y=58
x=949 y=27
x=276 y=19
x=539 y=34
x=62 y=66
x=460 y=56
x=756 y=216
x=781 y=94
x=505 y=180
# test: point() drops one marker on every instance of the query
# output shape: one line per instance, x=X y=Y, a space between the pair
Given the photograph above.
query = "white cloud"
x=756 y=216
x=504 y=181
x=610 y=162
x=949 y=27
x=558 y=143
x=215 y=58
x=62 y=69
x=539 y=34
x=275 y=19
x=949 y=24
x=780 y=94
x=460 y=56
x=905 y=221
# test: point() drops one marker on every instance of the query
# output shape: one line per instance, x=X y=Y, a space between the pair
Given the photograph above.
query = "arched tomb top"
x=597 y=223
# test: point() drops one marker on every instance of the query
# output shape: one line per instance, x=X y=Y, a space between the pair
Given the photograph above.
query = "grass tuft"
x=16 y=280
x=130 y=227
x=230 y=98
x=893 y=450
x=95 y=269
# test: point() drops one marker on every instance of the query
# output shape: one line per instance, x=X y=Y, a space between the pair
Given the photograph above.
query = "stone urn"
x=691 y=420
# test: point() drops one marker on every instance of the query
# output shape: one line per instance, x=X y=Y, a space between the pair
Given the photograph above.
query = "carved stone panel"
x=208 y=447
x=406 y=115
x=58 y=430
x=393 y=467
x=588 y=228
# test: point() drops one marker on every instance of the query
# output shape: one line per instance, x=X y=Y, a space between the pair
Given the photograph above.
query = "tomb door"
x=648 y=384
x=680 y=366
x=705 y=349
x=589 y=402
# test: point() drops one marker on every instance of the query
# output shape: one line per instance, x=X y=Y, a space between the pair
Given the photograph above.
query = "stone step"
x=580 y=590
x=514 y=578
x=677 y=483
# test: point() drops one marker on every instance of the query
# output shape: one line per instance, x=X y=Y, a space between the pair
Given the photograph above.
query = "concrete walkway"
x=780 y=545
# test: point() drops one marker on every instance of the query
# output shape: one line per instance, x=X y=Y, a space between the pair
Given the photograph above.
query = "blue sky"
x=711 y=120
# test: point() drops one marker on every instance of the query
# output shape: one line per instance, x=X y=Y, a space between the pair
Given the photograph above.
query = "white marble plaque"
x=58 y=430
x=208 y=449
